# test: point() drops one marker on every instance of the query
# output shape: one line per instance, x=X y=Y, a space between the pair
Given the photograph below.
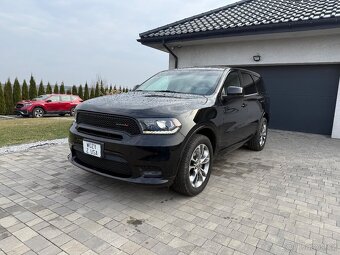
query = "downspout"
x=172 y=53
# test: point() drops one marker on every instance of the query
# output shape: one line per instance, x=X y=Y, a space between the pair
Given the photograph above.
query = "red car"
x=48 y=104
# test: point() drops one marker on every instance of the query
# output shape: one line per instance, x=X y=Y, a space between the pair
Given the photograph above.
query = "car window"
x=74 y=98
x=249 y=87
x=65 y=98
x=54 y=99
x=233 y=79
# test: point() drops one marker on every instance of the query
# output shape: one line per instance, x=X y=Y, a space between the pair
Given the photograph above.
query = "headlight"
x=28 y=104
x=161 y=126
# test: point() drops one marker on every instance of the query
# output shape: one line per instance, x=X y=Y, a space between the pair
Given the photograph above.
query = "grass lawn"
x=26 y=130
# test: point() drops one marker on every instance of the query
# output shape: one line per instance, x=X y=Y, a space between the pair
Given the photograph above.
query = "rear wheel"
x=72 y=111
x=258 y=142
x=195 y=167
x=62 y=114
x=38 y=112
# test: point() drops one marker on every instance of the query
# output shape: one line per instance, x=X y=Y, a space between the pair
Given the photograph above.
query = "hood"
x=148 y=104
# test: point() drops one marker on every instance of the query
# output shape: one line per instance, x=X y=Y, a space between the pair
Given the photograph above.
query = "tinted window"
x=232 y=80
x=199 y=82
x=248 y=84
x=65 y=98
x=74 y=98
x=54 y=98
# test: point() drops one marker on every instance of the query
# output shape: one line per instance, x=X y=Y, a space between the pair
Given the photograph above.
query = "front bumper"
x=141 y=159
x=22 y=112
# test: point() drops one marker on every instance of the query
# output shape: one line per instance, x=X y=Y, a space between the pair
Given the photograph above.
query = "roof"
x=250 y=16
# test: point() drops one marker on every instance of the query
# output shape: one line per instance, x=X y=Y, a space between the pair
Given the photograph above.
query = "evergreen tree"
x=2 y=100
x=68 y=92
x=24 y=95
x=102 y=88
x=74 y=90
x=110 y=90
x=56 y=89
x=16 y=91
x=86 y=92
x=97 y=91
x=33 y=88
x=80 y=91
x=49 y=89
x=115 y=88
x=8 y=95
x=62 y=88
x=92 y=94
x=41 y=90
x=120 y=89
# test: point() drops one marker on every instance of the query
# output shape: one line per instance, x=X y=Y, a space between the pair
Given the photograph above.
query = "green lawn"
x=26 y=130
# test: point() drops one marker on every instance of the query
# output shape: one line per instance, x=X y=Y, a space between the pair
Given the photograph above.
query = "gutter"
x=172 y=53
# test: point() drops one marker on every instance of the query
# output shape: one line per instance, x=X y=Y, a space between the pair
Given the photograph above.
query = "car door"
x=65 y=104
x=252 y=105
x=52 y=104
x=232 y=109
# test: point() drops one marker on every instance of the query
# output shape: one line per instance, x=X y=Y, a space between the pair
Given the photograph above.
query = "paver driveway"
x=284 y=200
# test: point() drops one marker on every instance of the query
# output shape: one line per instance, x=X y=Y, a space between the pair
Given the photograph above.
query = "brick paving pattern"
x=283 y=200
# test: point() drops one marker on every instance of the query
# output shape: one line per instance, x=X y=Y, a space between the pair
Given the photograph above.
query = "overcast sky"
x=79 y=40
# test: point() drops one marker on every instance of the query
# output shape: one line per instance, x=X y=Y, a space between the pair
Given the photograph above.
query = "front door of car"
x=234 y=117
x=53 y=104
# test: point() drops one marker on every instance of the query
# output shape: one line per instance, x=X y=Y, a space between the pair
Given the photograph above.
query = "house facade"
x=294 y=45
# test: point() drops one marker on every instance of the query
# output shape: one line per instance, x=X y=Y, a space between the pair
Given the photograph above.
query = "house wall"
x=310 y=50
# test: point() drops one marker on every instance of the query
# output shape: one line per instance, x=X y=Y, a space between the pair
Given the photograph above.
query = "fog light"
x=152 y=174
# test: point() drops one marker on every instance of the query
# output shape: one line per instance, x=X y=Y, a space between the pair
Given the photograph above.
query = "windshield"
x=198 y=82
x=39 y=98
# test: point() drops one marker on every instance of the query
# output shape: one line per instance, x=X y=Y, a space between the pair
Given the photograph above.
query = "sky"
x=78 y=41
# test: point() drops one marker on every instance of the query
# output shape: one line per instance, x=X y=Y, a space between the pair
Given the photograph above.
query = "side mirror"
x=135 y=87
x=234 y=91
x=48 y=101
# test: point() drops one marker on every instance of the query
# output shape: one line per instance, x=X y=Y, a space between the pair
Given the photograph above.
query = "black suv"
x=168 y=130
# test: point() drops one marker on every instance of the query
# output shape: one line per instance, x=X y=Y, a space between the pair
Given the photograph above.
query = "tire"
x=72 y=111
x=190 y=180
x=38 y=112
x=258 y=142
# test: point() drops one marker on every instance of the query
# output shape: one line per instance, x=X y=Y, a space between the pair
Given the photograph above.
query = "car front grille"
x=19 y=106
x=119 y=169
x=112 y=122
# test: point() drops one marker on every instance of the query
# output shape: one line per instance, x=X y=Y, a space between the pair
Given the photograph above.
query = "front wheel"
x=259 y=140
x=38 y=112
x=72 y=111
x=195 y=167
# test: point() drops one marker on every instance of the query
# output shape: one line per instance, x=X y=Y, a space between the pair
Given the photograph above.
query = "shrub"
x=93 y=94
x=2 y=100
x=25 y=95
x=86 y=92
x=41 y=90
x=74 y=90
x=80 y=91
x=97 y=91
x=62 y=88
x=32 y=89
x=48 y=88
x=8 y=95
x=16 y=91
x=56 y=89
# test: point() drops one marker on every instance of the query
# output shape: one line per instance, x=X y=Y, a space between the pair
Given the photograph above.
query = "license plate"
x=93 y=149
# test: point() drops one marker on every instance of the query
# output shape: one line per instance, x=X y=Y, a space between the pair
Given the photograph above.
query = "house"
x=293 y=44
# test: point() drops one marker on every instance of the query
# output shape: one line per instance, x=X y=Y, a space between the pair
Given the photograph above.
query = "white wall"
x=297 y=50
x=336 y=124
x=305 y=50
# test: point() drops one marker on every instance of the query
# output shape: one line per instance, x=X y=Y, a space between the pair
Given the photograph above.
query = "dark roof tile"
x=249 y=14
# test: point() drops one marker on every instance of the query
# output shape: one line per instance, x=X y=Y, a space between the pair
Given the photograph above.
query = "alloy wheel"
x=199 y=165
x=38 y=113
x=263 y=134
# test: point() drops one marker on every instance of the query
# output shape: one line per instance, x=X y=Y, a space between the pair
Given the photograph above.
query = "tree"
x=92 y=94
x=2 y=100
x=8 y=95
x=74 y=90
x=62 y=88
x=33 y=88
x=41 y=90
x=120 y=89
x=16 y=91
x=80 y=91
x=49 y=89
x=86 y=92
x=24 y=94
x=102 y=88
x=56 y=89
x=110 y=90
x=97 y=91
x=68 y=92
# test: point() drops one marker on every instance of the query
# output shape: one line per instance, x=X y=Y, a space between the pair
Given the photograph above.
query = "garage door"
x=302 y=98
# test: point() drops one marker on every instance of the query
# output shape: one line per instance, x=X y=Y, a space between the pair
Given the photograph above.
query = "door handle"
x=244 y=105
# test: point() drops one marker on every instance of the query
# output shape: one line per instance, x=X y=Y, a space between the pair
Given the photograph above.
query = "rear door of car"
x=65 y=103
x=252 y=106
